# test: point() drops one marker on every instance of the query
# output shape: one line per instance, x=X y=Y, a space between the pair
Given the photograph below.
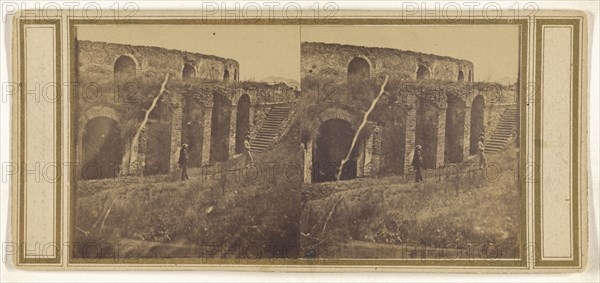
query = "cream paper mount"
x=362 y=141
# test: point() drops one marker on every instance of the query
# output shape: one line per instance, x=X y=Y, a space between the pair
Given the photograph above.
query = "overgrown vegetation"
x=254 y=211
x=450 y=213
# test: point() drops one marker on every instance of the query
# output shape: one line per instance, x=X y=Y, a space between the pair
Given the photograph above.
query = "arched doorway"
x=394 y=143
x=226 y=76
x=358 y=69
x=461 y=76
x=455 y=127
x=102 y=149
x=242 y=122
x=220 y=127
x=422 y=73
x=477 y=118
x=188 y=71
x=192 y=130
x=426 y=133
x=332 y=144
x=124 y=68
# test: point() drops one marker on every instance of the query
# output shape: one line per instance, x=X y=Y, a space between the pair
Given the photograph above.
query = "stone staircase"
x=270 y=129
x=500 y=137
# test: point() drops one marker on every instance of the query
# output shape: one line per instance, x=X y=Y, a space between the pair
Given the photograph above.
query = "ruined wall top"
x=98 y=59
x=333 y=60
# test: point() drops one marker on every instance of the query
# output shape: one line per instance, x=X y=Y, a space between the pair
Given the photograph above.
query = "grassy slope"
x=255 y=213
x=449 y=214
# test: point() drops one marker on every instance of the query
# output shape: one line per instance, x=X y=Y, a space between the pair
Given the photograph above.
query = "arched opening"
x=332 y=145
x=226 y=76
x=220 y=127
x=192 y=130
x=470 y=76
x=461 y=76
x=422 y=73
x=235 y=75
x=158 y=146
x=477 y=118
x=188 y=71
x=242 y=122
x=358 y=69
x=124 y=68
x=102 y=149
x=455 y=127
x=426 y=133
x=394 y=143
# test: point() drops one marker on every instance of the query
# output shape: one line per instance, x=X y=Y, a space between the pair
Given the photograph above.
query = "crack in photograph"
x=296 y=142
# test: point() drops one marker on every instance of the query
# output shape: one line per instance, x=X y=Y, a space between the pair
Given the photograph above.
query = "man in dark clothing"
x=183 y=162
x=418 y=163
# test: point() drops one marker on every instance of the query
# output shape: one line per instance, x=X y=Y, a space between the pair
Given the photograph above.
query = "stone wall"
x=97 y=60
x=332 y=60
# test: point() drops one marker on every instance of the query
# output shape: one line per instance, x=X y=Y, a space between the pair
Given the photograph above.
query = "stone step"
x=505 y=127
x=261 y=144
x=275 y=128
x=263 y=138
x=271 y=131
x=494 y=147
x=263 y=132
x=495 y=143
x=270 y=128
x=502 y=136
x=279 y=113
x=274 y=123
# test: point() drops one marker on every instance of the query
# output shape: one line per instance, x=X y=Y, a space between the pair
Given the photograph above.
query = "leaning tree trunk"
x=130 y=164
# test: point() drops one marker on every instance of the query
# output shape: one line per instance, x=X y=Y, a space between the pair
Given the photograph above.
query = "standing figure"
x=249 y=159
x=418 y=163
x=183 y=162
x=481 y=153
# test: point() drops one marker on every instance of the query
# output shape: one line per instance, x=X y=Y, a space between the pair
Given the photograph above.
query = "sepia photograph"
x=385 y=142
x=302 y=142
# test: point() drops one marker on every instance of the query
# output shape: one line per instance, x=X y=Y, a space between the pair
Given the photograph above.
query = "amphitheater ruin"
x=205 y=105
x=443 y=110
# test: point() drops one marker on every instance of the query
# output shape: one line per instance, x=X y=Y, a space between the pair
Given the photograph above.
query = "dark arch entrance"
x=394 y=143
x=455 y=127
x=426 y=134
x=422 y=73
x=332 y=145
x=477 y=118
x=220 y=121
x=358 y=69
x=124 y=68
x=102 y=149
x=188 y=72
x=461 y=76
x=226 y=75
x=192 y=130
x=242 y=123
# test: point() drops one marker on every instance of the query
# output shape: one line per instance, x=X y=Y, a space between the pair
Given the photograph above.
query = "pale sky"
x=274 y=50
